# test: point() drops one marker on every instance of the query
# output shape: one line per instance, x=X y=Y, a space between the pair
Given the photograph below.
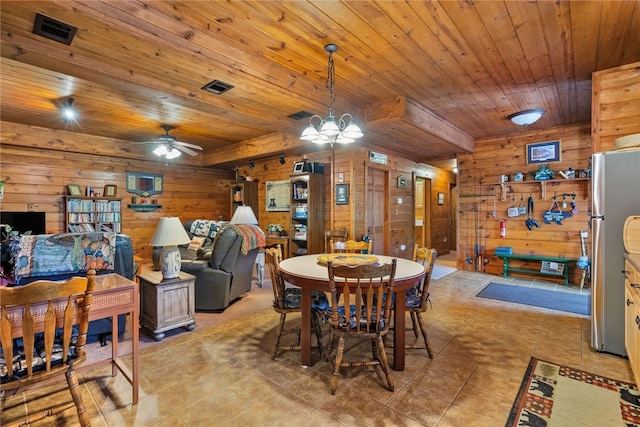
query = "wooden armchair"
x=366 y=292
x=43 y=314
x=288 y=300
x=351 y=247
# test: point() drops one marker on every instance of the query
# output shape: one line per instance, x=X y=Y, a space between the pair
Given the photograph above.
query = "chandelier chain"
x=330 y=83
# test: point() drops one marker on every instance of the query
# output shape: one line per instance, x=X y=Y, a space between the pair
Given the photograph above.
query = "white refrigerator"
x=615 y=180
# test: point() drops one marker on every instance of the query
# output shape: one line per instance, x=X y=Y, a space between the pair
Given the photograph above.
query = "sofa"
x=123 y=264
x=202 y=229
x=228 y=271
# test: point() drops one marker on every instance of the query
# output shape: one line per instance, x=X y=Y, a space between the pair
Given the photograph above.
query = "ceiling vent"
x=53 y=29
x=218 y=87
x=300 y=115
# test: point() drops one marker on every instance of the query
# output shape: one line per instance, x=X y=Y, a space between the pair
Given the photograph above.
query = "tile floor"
x=223 y=376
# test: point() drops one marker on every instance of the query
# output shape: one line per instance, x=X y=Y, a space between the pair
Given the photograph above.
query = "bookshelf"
x=86 y=214
x=244 y=193
x=307 y=214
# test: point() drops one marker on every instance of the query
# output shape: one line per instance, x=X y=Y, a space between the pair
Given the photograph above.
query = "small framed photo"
x=441 y=198
x=298 y=167
x=543 y=152
x=342 y=194
x=402 y=182
x=110 y=190
x=74 y=190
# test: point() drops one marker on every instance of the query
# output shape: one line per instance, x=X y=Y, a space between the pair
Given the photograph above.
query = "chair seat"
x=293 y=299
x=342 y=318
x=39 y=356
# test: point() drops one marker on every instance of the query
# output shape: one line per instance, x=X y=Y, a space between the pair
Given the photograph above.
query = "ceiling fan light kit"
x=527 y=117
x=329 y=130
x=170 y=148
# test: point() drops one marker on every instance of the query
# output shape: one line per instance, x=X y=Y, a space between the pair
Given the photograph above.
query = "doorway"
x=375 y=214
x=422 y=206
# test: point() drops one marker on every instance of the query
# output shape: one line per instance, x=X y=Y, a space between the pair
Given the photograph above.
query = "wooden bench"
x=541 y=258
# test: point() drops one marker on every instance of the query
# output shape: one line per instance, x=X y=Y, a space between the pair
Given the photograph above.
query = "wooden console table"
x=113 y=295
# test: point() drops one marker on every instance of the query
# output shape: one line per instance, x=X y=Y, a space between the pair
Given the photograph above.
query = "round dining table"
x=305 y=272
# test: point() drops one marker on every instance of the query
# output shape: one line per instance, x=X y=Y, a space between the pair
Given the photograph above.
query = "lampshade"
x=526 y=118
x=169 y=233
x=244 y=215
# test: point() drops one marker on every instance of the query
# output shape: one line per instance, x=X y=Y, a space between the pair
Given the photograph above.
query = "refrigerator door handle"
x=597 y=290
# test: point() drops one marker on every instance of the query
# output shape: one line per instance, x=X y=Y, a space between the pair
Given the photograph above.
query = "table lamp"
x=169 y=233
x=244 y=215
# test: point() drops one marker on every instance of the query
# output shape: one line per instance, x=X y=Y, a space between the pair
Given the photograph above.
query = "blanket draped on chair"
x=252 y=236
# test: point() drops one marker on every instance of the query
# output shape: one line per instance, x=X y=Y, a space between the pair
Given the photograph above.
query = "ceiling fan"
x=170 y=147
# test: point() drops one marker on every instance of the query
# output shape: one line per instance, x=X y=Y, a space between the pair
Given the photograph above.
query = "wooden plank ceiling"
x=424 y=79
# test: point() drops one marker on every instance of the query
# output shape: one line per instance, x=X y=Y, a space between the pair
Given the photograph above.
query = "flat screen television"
x=25 y=221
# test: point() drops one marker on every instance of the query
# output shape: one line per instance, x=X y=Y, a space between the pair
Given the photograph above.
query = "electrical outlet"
x=399 y=200
x=341 y=177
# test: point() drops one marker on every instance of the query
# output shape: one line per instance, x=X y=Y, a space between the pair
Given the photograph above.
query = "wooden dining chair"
x=45 y=315
x=351 y=247
x=288 y=300
x=417 y=299
x=365 y=313
x=335 y=236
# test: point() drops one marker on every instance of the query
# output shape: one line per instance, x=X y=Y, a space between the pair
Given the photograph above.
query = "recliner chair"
x=226 y=275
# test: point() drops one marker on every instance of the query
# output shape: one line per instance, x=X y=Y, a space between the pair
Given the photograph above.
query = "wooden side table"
x=167 y=304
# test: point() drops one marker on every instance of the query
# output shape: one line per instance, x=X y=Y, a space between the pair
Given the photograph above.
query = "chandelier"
x=330 y=130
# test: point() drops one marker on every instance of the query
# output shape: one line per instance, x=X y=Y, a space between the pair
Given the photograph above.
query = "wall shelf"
x=543 y=186
x=144 y=207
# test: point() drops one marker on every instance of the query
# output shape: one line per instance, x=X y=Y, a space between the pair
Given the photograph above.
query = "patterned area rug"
x=554 y=395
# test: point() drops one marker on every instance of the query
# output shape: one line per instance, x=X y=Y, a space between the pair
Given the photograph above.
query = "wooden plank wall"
x=36 y=179
x=352 y=161
x=480 y=194
x=616 y=105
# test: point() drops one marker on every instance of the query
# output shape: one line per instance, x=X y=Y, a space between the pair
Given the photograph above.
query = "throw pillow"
x=196 y=243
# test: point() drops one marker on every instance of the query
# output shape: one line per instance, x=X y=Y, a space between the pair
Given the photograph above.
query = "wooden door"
x=376 y=208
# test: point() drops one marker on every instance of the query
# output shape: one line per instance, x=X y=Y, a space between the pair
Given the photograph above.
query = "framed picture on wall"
x=342 y=194
x=543 y=152
x=110 y=190
x=74 y=190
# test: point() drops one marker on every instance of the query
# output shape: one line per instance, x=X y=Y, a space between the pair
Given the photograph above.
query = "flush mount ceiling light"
x=527 y=117
x=330 y=130
x=69 y=113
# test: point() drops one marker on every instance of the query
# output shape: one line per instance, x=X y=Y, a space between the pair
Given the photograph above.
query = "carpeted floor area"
x=558 y=395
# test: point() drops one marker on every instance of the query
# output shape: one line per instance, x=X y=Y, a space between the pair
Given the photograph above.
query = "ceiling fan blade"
x=186 y=144
x=186 y=150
